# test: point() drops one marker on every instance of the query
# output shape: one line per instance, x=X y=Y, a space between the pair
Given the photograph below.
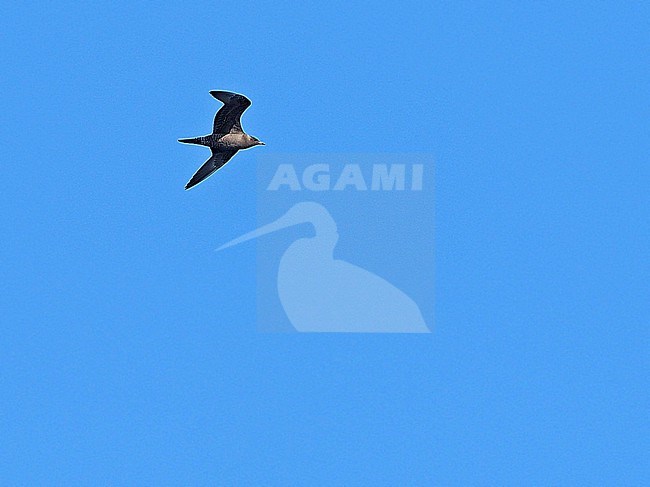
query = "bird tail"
x=195 y=140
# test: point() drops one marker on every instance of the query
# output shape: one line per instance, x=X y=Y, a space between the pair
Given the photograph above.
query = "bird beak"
x=279 y=224
x=259 y=142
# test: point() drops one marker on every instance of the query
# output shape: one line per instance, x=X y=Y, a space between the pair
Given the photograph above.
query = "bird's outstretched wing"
x=218 y=159
x=228 y=118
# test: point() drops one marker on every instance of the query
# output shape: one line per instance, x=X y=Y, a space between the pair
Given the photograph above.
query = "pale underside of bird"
x=227 y=135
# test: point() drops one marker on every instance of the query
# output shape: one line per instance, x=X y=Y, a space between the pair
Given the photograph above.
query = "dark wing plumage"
x=218 y=159
x=228 y=118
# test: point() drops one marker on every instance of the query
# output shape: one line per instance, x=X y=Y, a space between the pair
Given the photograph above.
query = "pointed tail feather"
x=195 y=140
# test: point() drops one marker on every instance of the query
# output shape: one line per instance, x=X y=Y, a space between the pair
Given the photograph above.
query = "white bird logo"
x=322 y=294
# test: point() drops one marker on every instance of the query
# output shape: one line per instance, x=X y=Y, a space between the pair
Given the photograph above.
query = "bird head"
x=256 y=141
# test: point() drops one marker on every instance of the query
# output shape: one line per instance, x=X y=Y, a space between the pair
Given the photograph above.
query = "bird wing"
x=218 y=159
x=228 y=118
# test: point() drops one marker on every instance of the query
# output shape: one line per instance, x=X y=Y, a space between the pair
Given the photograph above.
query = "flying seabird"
x=227 y=136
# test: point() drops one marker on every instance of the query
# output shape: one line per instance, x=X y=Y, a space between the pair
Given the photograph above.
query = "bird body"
x=227 y=135
x=236 y=141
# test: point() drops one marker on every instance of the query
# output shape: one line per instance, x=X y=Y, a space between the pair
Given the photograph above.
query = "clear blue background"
x=128 y=351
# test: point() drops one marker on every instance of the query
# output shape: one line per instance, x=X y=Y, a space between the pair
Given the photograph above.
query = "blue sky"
x=128 y=351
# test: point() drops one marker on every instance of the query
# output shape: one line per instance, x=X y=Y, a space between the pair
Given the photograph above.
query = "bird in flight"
x=227 y=136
